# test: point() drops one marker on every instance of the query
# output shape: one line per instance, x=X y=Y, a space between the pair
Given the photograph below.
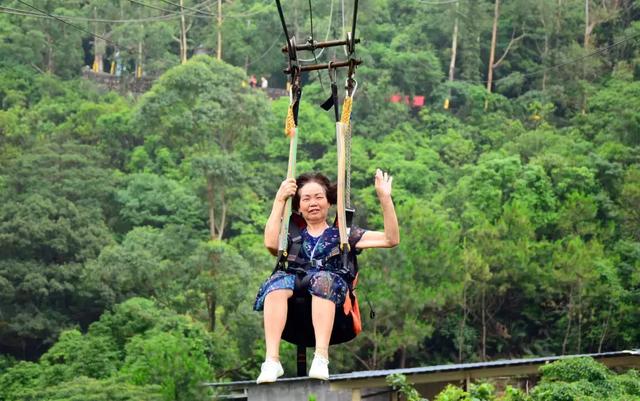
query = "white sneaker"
x=270 y=371
x=319 y=368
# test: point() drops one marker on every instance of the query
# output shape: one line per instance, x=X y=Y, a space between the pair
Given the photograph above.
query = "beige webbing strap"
x=341 y=199
x=292 y=132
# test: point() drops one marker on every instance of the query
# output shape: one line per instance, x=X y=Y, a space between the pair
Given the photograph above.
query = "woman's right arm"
x=272 y=228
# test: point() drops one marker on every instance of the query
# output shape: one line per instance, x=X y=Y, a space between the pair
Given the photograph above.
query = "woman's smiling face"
x=314 y=205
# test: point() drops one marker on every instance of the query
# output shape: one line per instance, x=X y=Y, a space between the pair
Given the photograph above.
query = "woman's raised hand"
x=383 y=184
x=287 y=189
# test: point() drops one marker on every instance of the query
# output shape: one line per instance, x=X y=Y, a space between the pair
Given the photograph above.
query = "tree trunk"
x=587 y=30
x=492 y=52
x=579 y=307
x=463 y=323
x=211 y=311
x=99 y=47
x=219 y=41
x=183 y=35
x=224 y=214
x=484 y=325
x=545 y=55
x=139 y=61
x=569 y=318
x=375 y=346
x=212 y=214
x=49 y=54
x=604 y=330
x=454 y=50
x=454 y=46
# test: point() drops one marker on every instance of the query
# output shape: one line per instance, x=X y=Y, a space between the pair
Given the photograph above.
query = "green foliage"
x=399 y=383
x=76 y=355
x=137 y=350
x=84 y=388
x=519 y=220
x=173 y=361
x=477 y=392
x=156 y=201
x=514 y=394
x=584 y=379
x=17 y=379
x=575 y=369
x=568 y=379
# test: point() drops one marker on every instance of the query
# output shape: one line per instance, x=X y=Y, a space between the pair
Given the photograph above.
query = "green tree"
x=178 y=364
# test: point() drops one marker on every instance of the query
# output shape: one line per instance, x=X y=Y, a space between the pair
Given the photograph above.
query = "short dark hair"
x=330 y=189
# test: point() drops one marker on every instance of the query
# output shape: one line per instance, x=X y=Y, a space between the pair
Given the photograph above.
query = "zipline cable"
x=437 y=3
x=275 y=42
x=313 y=50
x=151 y=6
x=326 y=37
x=25 y=13
x=190 y=8
x=75 y=26
x=556 y=66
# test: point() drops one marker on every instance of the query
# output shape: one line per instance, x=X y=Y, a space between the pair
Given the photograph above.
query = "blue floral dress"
x=326 y=282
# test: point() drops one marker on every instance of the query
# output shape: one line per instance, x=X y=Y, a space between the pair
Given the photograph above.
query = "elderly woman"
x=312 y=195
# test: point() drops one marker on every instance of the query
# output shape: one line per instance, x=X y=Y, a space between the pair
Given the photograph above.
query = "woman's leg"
x=323 y=312
x=275 y=318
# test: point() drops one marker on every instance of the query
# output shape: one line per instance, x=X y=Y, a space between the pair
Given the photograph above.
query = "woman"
x=312 y=195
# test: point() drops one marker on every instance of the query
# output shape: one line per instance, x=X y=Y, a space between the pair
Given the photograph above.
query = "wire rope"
x=326 y=37
x=191 y=8
x=275 y=42
x=313 y=51
x=559 y=65
x=25 y=13
x=151 y=6
x=74 y=26
x=437 y=3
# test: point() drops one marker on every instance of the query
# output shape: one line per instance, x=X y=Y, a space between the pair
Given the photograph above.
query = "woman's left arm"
x=390 y=237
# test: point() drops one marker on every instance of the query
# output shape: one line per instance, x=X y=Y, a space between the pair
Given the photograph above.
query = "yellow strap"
x=346 y=110
x=290 y=124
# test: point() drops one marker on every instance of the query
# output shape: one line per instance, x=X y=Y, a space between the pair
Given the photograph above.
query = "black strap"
x=293 y=263
x=284 y=27
x=332 y=101
x=353 y=27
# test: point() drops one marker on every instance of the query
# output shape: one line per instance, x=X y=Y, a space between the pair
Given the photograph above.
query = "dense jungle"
x=131 y=216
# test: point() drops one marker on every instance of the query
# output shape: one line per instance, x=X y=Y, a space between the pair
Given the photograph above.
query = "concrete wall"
x=296 y=391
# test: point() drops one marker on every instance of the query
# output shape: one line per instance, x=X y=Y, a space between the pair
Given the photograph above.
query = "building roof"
x=453 y=371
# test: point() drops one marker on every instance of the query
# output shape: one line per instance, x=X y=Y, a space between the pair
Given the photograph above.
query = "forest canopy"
x=131 y=216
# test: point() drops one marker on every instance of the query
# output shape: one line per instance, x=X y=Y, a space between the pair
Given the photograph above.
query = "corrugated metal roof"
x=369 y=374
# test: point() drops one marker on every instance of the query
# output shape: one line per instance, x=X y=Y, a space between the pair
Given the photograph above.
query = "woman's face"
x=314 y=205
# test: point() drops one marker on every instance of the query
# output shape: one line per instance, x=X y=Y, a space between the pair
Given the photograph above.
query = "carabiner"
x=350 y=84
